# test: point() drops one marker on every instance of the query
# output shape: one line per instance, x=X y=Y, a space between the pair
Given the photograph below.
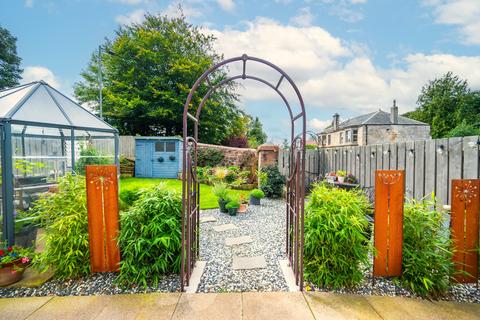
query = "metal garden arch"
x=295 y=180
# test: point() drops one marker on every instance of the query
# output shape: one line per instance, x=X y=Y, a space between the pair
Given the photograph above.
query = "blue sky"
x=347 y=56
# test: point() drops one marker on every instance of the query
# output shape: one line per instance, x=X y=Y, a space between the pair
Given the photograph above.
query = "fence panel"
x=419 y=176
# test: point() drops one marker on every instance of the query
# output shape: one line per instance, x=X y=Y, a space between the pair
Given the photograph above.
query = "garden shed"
x=44 y=135
x=158 y=157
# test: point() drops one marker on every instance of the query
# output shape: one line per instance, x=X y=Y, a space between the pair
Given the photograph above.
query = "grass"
x=207 y=199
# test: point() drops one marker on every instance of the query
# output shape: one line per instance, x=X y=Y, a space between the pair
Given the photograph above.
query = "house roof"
x=379 y=117
x=38 y=103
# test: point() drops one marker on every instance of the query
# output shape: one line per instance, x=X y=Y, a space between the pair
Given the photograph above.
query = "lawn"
x=207 y=199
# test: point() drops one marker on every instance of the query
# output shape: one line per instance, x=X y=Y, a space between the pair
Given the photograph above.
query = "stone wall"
x=242 y=157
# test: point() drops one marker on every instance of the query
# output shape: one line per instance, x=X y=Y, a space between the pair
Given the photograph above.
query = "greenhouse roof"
x=37 y=103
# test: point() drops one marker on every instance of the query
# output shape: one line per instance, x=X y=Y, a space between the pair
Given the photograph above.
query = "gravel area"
x=97 y=284
x=266 y=225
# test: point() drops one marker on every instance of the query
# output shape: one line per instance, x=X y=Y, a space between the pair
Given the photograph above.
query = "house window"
x=169 y=146
x=329 y=137
x=355 y=135
x=348 y=136
x=159 y=146
x=341 y=137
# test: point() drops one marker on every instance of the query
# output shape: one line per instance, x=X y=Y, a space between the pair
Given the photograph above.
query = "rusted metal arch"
x=189 y=169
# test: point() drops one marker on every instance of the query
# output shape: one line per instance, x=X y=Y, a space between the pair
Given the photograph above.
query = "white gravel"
x=266 y=225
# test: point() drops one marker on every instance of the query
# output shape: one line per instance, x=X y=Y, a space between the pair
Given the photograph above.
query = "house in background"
x=374 y=128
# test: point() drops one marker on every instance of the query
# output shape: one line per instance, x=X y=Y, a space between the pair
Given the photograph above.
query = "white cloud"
x=129 y=2
x=136 y=16
x=28 y=3
x=304 y=17
x=318 y=125
x=227 y=5
x=36 y=73
x=333 y=74
x=461 y=13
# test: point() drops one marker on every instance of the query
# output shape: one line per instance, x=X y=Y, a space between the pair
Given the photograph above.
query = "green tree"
x=10 y=71
x=464 y=130
x=256 y=135
x=445 y=103
x=148 y=70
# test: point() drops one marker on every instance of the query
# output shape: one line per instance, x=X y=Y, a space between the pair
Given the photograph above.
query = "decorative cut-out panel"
x=464 y=228
x=103 y=224
x=388 y=225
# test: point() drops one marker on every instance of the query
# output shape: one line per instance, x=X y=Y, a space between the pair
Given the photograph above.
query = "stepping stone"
x=207 y=219
x=246 y=263
x=238 y=240
x=224 y=227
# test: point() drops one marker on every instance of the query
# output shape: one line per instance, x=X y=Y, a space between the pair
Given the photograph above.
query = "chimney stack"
x=394 y=113
x=336 y=121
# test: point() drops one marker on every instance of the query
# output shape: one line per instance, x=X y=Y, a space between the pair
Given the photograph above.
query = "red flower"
x=9 y=249
x=2 y=252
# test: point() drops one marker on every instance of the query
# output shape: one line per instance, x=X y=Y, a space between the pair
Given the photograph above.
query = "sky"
x=346 y=56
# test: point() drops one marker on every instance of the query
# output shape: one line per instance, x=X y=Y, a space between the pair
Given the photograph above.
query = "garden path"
x=242 y=252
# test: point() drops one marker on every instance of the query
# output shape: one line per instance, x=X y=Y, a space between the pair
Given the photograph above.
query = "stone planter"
x=11 y=272
x=221 y=205
x=254 y=201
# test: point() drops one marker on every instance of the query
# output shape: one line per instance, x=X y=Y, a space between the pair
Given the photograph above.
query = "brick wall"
x=242 y=157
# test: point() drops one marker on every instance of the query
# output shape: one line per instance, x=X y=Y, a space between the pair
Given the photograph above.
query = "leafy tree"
x=256 y=135
x=148 y=70
x=444 y=103
x=464 y=130
x=10 y=71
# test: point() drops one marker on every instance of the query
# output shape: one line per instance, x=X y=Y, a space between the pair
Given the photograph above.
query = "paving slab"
x=224 y=227
x=275 y=305
x=139 y=306
x=400 y=308
x=207 y=219
x=340 y=306
x=257 y=262
x=458 y=311
x=20 y=308
x=238 y=240
x=209 y=306
x=75 y=308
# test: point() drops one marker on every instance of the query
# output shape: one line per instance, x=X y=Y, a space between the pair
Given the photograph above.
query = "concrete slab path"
x=225 y=306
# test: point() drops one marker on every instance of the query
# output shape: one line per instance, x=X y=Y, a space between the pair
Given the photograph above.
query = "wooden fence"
x=430 y=165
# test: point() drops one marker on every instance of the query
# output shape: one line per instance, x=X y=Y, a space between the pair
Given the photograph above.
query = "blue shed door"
x=143 y=159
x=165 y=159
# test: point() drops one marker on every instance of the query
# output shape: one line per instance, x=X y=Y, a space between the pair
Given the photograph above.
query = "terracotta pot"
x=11 y=272
x=242 y=209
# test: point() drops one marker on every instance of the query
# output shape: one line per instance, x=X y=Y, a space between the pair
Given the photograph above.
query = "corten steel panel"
x=464 y=227
x=103 y=224
x=389 y=198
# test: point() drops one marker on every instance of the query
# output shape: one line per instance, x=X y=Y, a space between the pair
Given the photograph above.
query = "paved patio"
x=225 y=306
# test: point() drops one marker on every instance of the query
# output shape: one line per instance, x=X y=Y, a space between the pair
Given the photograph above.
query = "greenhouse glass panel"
x=93 y=147
x=9 y=98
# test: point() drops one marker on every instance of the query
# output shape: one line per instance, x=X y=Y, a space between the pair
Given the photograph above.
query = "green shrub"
x=271 y=182
x=64 y=216
x=336 y=244
x=427 y=250
x=129 y=196
x=257 y=193
x=150 y=237
x=220 y=191
x=233 y=204
x=209 y=157
x=89 y=156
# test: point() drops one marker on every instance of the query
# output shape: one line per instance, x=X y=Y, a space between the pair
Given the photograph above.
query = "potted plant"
x=255 y=196
x=232 y=207
x=13 y=261
x=243 y=204
x=331 y=177
x=341 y=176
x=221 y=192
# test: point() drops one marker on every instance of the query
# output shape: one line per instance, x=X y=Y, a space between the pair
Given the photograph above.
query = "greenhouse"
x=44 y=136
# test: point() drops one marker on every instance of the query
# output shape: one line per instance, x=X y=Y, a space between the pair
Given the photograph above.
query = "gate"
x=190 y=186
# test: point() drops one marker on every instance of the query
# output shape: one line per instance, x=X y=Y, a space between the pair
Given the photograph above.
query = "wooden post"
x=389 y=196
x=464 y=228
x=103 y=224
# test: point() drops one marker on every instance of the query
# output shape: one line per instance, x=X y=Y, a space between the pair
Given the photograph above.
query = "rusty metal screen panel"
x=388 y=225
x=103 y=224
x=464 y=228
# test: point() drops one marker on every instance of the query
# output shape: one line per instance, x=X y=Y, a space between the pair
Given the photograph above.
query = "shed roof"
x=38 y=103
